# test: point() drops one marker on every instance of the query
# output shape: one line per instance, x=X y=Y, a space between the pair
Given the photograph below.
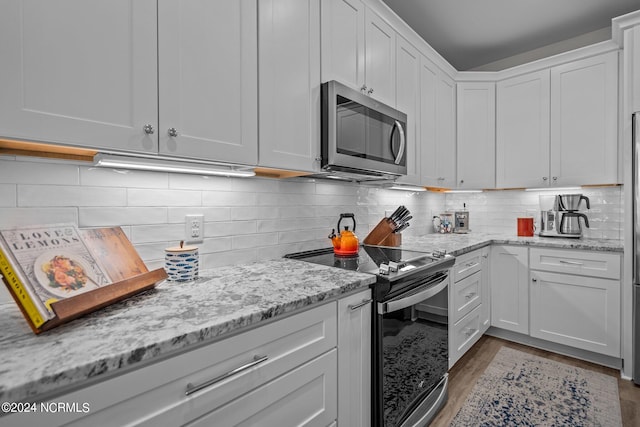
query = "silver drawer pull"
x=562 y=261
x=194 y=388
x=469 y=296
x=468 y=332
x=364 y=302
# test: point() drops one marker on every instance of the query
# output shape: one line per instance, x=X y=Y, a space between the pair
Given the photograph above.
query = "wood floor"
x=470 y=367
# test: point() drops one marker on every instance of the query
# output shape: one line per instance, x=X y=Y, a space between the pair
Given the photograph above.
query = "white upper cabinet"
x=169 y=77
x=358 y=49
x=437 y=126
x=522 y=134
x=584 y=121
x=289 y=84
x=208 y=80
x=408 y=101
x=80 y=73
x=558 y=126
x=343 y=41
x=476 y=135
x=380 y=58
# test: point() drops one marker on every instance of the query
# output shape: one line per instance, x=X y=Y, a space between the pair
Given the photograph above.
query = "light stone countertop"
x=458 y=244
x=162 y=321
x=174 y=316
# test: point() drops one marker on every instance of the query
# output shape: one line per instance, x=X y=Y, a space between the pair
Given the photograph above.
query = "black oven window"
x=415 y=356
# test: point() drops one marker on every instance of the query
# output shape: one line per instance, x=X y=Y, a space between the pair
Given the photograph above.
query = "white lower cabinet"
x=569 y=307
x=468 y=301
x=510 y=288
x=354 y=360
x=283 y=373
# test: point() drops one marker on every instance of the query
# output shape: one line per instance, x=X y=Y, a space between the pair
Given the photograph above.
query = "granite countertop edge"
x=277 y=288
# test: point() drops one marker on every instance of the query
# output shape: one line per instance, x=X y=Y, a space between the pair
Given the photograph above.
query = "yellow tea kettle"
x=346 y=242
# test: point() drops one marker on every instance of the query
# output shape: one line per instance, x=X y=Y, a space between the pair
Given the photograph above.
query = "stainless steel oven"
x=410 y=329
x=412 y=357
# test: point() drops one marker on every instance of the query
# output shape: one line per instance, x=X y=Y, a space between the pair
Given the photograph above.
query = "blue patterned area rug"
x=520 y=389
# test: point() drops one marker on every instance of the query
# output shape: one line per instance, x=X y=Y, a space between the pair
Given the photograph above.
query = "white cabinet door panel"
x=342 y=44
x=584 y=121
x=476 y=135
x=80 y=73
x=581 y=312
x=408 y=101
x=510 y=288
x=289 y=84
x=522 y=131
x=354 y=360
x=208 y=79
x=380 y=58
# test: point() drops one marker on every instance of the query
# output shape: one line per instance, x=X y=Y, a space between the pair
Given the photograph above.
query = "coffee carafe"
x=570 y=222
x=562 y=219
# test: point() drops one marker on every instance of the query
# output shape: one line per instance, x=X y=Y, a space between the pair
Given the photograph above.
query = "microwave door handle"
x=398 y=158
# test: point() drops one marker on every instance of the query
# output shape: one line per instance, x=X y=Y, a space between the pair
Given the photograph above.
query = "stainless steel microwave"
x=361 y=136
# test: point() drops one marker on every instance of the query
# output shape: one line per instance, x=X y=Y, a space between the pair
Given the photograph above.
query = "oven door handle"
x=430 y=291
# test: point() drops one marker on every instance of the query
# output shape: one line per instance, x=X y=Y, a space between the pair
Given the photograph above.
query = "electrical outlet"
x=194 y=228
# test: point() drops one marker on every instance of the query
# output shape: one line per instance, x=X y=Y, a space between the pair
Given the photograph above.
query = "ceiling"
x=472 y=33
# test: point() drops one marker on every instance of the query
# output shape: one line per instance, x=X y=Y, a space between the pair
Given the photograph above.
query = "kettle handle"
x=588 y=205
x=347 y=215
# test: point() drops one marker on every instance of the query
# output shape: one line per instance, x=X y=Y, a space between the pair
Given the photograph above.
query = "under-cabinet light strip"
x=159 y=165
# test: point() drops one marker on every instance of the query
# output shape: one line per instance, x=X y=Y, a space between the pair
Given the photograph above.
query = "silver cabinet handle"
x=398 y=125
x=470 y=295
x=364 y=302
x=555 y=178
x=370 y=91
x=562 y=261
x=173 y=132
x=148 y=129
x=533 y=279
x=194 y=388
x=544 y=178
x=363 y=88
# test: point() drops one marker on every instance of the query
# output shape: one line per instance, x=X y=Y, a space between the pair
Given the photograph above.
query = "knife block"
x=383 y=235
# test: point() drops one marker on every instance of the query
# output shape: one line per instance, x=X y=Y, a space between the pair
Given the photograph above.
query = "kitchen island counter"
x=458 y=244
x=169 y=319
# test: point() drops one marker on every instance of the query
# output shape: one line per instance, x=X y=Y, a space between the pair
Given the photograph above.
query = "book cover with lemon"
x=54 y=261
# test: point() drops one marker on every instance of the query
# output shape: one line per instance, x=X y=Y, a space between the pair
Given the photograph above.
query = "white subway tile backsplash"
x=66 y=195
x=225 y=198
x=157 y=233
x=249 y=219
x=126 y=178
x=8 y=198
x=254 y=240
x=229 y=228
x=177 y=214
x=18 y=217
x=153 y=197
x=113 y=216
x=21 y=172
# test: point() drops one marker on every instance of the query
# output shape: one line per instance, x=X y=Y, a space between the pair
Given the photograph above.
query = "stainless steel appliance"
x=362 y=139
x=409 y=326
x=563 y=219
x=636 y=247
x=461 y=222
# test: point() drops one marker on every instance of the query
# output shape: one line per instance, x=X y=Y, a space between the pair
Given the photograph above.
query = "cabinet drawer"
x=584 y=263
x=302 y=397
x=465 y=333
x=466 y=295
x=466 y=265
x=131 y=398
